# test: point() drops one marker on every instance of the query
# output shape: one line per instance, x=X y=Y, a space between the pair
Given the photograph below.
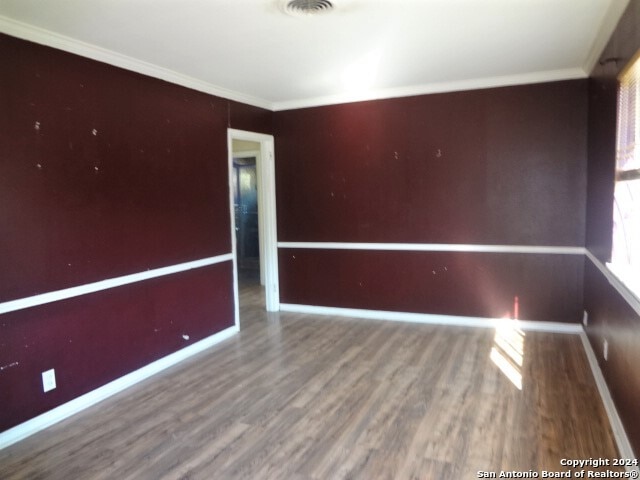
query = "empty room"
x=319 y=239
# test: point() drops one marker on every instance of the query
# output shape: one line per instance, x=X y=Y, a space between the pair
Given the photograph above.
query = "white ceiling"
x=249 y=50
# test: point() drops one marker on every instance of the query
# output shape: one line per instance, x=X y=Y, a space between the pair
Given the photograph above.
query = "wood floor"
x=310 y=397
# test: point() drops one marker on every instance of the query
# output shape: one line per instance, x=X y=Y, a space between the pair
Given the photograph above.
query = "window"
x=625 y=254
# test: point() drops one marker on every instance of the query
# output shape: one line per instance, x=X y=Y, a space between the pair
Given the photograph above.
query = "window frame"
x=627 y=165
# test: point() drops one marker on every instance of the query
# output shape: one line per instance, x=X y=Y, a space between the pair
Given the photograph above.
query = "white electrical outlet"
x=605 y=349
x=48 y=380
x=585 y=318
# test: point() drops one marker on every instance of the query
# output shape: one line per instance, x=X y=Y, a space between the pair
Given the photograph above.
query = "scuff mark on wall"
x=10 y=365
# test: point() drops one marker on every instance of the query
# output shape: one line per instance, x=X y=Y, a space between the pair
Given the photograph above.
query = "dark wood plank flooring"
x=311 y=397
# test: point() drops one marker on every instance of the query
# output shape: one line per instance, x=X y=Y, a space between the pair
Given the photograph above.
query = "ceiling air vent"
x=299 y=8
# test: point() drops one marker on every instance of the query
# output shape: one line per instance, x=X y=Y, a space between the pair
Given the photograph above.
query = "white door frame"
x=267 y=231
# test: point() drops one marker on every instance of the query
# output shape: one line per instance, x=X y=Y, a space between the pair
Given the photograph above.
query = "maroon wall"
x=103 y=173
x=494 y=285
x=494 y=166
x=93 y=339
x=610 y=316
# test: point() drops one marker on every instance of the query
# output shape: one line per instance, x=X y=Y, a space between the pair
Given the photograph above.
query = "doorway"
x=245 y=206
x=253 y=214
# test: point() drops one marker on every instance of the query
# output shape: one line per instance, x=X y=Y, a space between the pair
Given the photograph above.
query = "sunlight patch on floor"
x=507 y=352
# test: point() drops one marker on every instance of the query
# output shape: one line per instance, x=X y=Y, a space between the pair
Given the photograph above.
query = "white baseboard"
x=428 y=318
x=622 y=441
x=89 y=399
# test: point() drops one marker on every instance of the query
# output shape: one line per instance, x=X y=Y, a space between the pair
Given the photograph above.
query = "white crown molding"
x=437 y=247
x=51 y=39
x=36 y=424
x=608 y=26
x=443 y=87
x=76 y=291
